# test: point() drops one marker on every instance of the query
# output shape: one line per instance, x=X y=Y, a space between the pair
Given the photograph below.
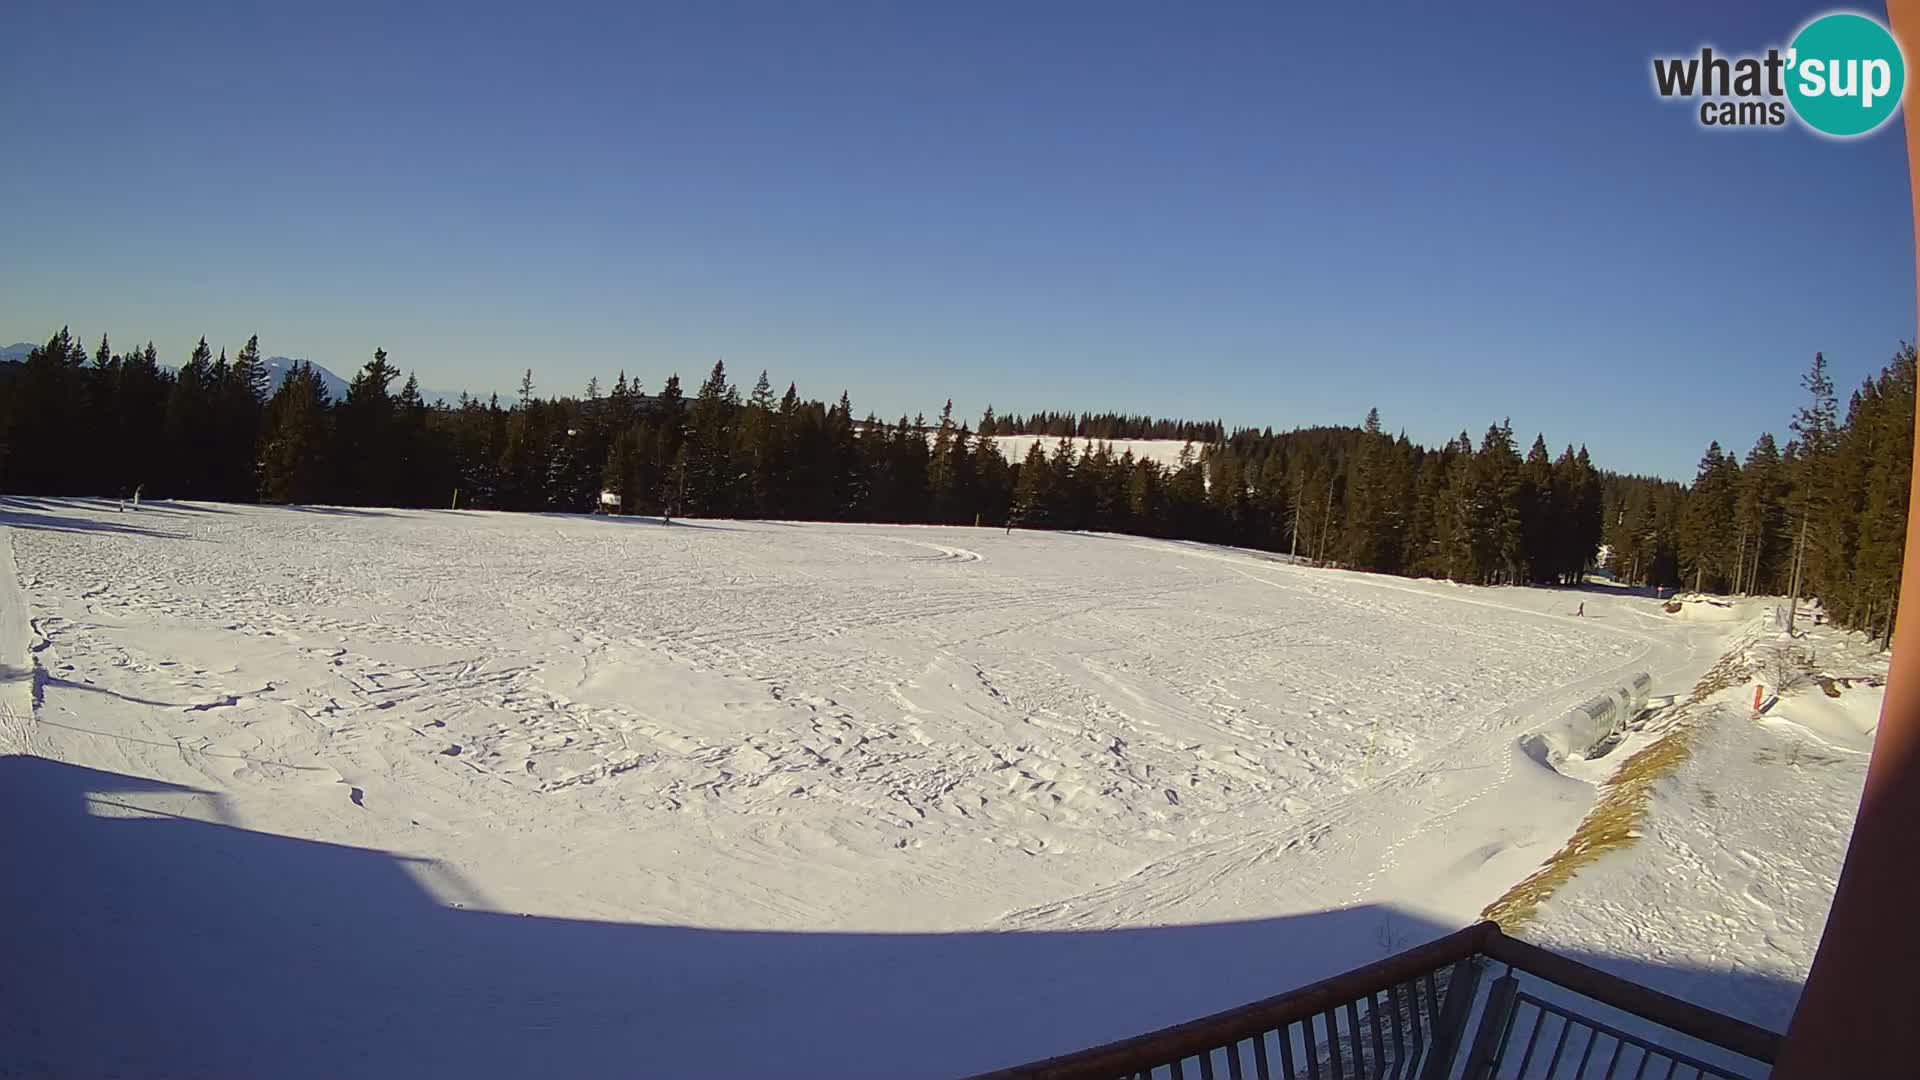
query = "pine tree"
x=796 y=455
x=992 y=476
x=1539 y=526
x=1885 y=435
x=710 y=474
x=1460 y=510
x=849 y=488
x=566 y=474
x=907 y=466
x=1815 y=454
x=1426 y=552
x=942 y=470
x=1707 y=525
x=669 y=443
x=1106 y=482
x=1372 y=539
x=241 y=404
x=1033 y=489
x=90 y=426
x=189 y=427
x=42 y=400
x=1227 y=492
x=1186 y=493
x=364 y=428
x=1760 y=517
x=1494 y=525
x=1582 y=533
x=617 y=475
x=294 y=466
x=139 y=421
x=758 y=450
x=621 y=409
x=248 y=374
x=474 y=456
x=515 y=487
x=424 y=476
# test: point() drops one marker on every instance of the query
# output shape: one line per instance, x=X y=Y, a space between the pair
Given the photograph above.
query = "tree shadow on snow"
x=42 y=680
x=57 y=515
x=339 y=511
x=640 y=519
x=183 y=509
x=185 y=751
x=142 y=942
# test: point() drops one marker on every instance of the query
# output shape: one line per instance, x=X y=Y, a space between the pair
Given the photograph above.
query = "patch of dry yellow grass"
x=1621 y=814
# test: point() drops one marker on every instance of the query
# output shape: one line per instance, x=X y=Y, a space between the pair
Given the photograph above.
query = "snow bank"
x=1709 y=608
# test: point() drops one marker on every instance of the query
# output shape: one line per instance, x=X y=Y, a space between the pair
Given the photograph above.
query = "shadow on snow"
x=57 y=515
x=142 y=942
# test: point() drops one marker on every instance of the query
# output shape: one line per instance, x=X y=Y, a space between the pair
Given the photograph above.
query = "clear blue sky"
x=1254 y=212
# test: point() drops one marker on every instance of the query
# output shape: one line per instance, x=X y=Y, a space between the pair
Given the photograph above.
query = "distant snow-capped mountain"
x=279 y=367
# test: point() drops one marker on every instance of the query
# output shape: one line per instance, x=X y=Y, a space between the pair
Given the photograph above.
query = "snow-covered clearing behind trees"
x=1164 y=452
x=351 y=792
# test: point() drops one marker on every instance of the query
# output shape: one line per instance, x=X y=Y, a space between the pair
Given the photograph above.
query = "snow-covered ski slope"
x=345 y=792
x=1162 y=451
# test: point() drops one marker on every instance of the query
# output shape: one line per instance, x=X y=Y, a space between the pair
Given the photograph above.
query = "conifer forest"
x=1826 y=500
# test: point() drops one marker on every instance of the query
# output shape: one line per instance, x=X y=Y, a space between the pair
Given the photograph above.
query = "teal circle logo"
x=1845 y=74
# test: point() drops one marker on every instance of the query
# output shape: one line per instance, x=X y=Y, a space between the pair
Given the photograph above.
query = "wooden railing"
x=1409 y=1016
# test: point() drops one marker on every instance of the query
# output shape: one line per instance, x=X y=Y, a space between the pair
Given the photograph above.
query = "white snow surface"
x=1164 y=451
x=359 y=792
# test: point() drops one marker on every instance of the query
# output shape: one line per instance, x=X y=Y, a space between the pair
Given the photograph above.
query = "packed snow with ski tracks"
x=451 y=793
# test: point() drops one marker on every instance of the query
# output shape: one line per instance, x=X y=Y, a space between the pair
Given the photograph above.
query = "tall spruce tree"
x=710 y=482
x=1539 y=524
x=190 y=428
x=294 y=458
x=1495 y=528
x=942 y=475
x=992 y=476
x=1815 y=462
x=364 y=427
x=241 y=403
x=1760 y=516
x=1371 y=536
x=1033 y=489
x=1708 y=525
